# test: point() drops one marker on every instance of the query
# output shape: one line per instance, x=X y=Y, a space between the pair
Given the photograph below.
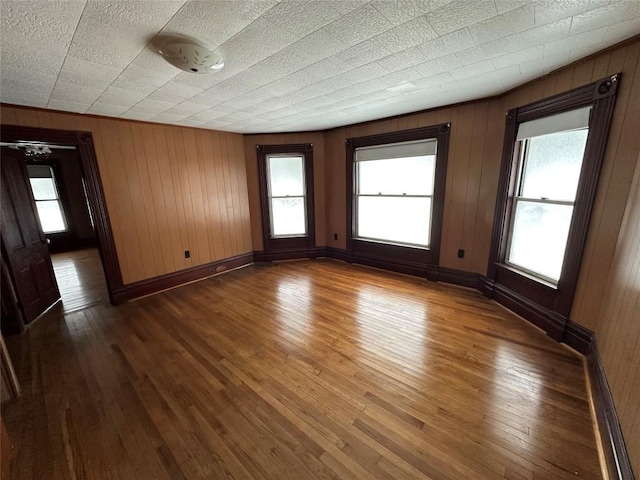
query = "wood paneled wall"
x=619 y=326
x=319 y=169
x=168 y=189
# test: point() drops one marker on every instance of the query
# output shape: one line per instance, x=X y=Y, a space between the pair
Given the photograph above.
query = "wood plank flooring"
x=80 y=279
x=302 y=370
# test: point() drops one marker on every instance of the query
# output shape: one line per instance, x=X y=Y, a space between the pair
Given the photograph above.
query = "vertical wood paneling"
x=461 y=151
x=488 y=187
x=168 y=189
x=619 y=326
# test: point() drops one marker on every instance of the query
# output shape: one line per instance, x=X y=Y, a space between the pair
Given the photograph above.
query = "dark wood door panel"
x=24 y=244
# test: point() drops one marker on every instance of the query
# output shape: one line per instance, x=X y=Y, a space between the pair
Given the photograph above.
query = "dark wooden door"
x=23 y=243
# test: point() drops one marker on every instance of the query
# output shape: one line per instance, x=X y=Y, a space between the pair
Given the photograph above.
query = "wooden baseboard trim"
x=617 y=461
x=289 y=254
x=174 y=279
x=338 y=254
x=457 y=277
x=579 y=338
x=384 y=263
x=551 y=322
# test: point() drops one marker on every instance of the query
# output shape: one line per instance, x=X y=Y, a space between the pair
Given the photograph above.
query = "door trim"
x=83 y=141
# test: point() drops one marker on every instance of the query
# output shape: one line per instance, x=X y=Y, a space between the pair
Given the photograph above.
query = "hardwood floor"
x=80 y=279
x=304 y=370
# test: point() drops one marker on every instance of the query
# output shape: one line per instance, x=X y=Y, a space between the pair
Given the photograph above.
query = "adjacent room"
x=320 y=239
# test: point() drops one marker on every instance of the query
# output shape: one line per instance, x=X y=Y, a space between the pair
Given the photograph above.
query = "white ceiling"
x=292 y=65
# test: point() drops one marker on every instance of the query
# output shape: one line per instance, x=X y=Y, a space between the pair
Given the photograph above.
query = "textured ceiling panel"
x=292 y=64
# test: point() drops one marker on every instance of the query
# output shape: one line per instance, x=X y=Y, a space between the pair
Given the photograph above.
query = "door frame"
x=83 y=142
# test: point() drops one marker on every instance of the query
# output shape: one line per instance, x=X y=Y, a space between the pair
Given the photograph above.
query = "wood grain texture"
x=80 y=279
x=312 y=369
x=618 y=328
x=168 y=189
x=319 y=172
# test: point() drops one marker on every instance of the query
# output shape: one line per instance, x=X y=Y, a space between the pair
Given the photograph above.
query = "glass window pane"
x=287 y=216
x=553 y=165
x=50 y=215
x=43 y=188
x=286 y=176
x=539 y=237
x=411 y=175
x=395 y=219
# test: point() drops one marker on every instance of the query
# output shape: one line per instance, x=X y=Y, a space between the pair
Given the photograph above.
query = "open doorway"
x=60 y=194
x=60 y=173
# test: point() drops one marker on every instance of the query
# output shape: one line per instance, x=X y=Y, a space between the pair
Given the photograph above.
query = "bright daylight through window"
x=287 y=196
x=47 y=198
x=551 y=154
x=394 y=187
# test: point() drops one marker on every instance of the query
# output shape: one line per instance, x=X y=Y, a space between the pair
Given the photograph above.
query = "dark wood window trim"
x=83 y=141
x=305 y=242
x=403 y=258
x=547 y=305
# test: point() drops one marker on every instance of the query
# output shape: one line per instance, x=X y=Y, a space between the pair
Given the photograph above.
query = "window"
x=287 y=199
x=395 y=199
x=394 y=187
x=286 y=191
x=47 y=198
x=550 y=161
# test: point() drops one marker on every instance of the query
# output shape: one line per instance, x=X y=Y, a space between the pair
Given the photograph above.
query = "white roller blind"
x=397 y=150
x=561 y=122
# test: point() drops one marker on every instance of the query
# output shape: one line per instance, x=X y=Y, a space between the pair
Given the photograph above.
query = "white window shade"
x=571 y=120
x=397 y=150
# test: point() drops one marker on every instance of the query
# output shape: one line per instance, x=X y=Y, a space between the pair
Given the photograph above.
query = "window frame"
x=58 y=197
x=412 y=259
x=290 y=242
x=549 y=304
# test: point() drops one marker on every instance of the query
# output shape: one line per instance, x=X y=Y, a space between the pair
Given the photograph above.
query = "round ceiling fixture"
x=188 y=54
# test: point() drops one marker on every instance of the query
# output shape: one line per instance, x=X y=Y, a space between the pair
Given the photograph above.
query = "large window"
x=45 y=192
x=286 y=189
x=395 y=199
x=551 y=152
x=551 y=159
x=394 y=187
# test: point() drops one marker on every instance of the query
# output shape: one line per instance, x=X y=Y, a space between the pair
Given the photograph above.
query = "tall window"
x=551 y=152
x=286 y=193
x=394 y=186
x=287 y=196
x=47 y=197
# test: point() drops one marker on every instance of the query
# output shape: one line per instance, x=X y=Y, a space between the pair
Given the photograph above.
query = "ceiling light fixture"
x=188 y=54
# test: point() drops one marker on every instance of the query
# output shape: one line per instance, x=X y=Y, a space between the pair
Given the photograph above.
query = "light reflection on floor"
x=404 y=342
